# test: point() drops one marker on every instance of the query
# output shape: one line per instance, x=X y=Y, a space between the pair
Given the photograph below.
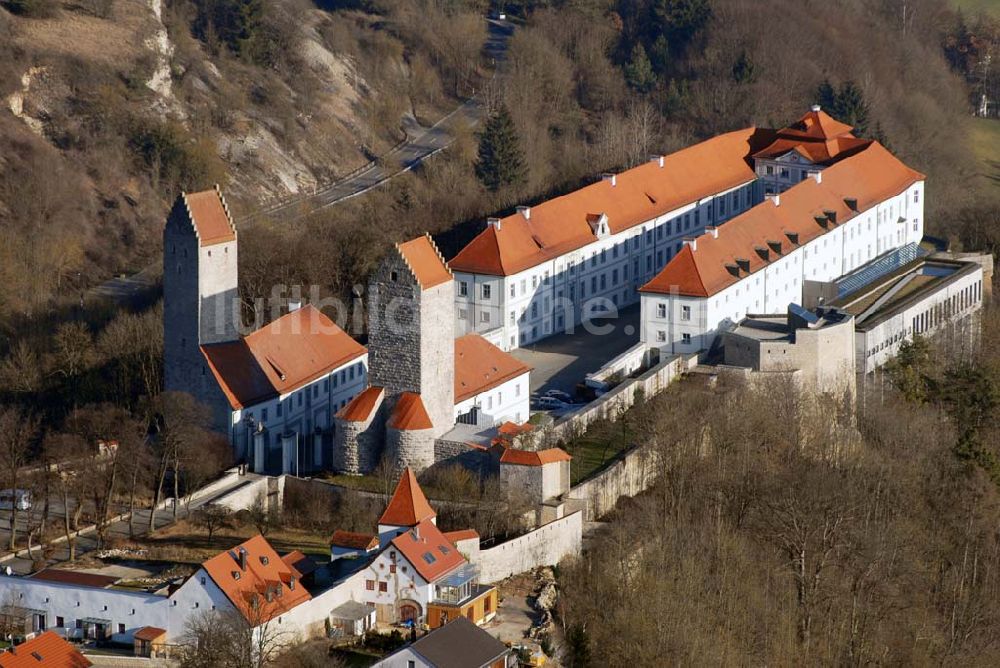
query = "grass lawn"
x=184 y=543
x=973 y=6
x=986 y=147
x=595 y=448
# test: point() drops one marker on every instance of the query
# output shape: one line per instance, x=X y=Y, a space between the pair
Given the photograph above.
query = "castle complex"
x=734 y=228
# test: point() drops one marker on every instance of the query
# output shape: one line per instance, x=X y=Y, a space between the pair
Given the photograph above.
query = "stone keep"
x=411 y=338
x=411 y=364
x=199 y=293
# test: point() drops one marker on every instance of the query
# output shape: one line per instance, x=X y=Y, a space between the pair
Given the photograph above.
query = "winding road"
x=425 y=143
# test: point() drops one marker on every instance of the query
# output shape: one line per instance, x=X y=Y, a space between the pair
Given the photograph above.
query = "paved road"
x=87 y=542
x=424 y=143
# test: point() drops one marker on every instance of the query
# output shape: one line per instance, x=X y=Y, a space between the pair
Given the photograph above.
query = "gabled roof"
x=209 y=215
x=290 y=352
x=409 y=413
x=534 y=458
x=302 y=564
x=424 y=260
x=642 y=193
x=265 y=575
x=360 y=408
x=481 y=366
x=353 y=540
x=149 y=633
x=75 y=578
x=459 y=644
x=47 y=650
x=460 y=535
x=767 y=232
x=408 y=505
x=430 y=553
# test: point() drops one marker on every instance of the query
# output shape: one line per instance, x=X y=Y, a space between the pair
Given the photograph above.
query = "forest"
x=783 y=531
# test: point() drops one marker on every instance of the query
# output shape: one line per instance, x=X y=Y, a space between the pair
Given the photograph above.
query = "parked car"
x=549 y=403
x=565 y=397
x=20 y=497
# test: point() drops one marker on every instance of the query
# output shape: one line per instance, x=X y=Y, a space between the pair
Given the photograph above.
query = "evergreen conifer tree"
x=501 y=162
x=639 y=73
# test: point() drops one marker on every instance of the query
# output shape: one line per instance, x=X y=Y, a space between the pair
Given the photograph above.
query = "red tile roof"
x=409 y=413
x=361 y=406
x=353 y=540
x=209 y=214
x=817 y=137
x=424 y=260
x=460 y=535
x=869 y=177
x=816 y=124
x=302 y=564
x=47 y=650
x=149 y=633
x=265 y=574
x=642 y=193
x=480 y=366
x=408 y=505
x=430 y=553
x=534 y=458
x=75 y=578
x=290 y=352
x=511 y=429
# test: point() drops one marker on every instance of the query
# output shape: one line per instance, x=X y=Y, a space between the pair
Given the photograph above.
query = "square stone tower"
x=411 y=329
x=200 y=300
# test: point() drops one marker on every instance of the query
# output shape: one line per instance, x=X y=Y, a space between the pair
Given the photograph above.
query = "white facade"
x=684 y=324
x=559 y=293
x=390 y=579
x=300 y=412
x=508 y=401
x=951 y=303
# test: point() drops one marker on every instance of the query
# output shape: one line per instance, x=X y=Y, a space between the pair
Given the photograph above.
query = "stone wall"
x=437 y=355
x=413 y=448
x=545 y=546
x=524 y=480
x=630 y=474
x=619 y=399
x=394 y=327
x=357 y=446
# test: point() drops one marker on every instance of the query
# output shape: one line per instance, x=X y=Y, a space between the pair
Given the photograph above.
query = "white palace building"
x=737 y=224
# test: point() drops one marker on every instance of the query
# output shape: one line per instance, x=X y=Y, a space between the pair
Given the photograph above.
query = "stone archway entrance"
x=409 y=611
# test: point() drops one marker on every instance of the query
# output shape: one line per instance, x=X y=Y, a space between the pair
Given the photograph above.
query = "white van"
x=11 y=497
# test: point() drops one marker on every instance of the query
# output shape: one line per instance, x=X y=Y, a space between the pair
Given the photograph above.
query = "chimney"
x=815 y=107
x=658 y=159
x=525 y=211
x=241 y=554
x=291 y=583
x=294 y=306
x=815 y=175
x=610 y=178
x=416 y=532
x=713 y=230
x=773 y=197
x=692 y=242
x=493 y=222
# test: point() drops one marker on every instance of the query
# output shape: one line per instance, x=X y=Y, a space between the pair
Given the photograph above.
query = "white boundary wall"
x=545 y=546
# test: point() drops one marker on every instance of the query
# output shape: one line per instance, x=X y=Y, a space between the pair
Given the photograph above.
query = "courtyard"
x=563 y=360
